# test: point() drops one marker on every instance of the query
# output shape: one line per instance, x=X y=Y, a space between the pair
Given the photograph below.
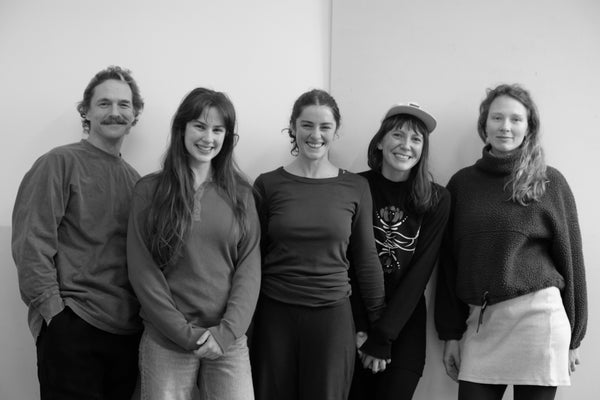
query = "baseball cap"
x=413 y=109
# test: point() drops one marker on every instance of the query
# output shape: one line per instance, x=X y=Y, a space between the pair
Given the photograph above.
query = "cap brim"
x=428 y=120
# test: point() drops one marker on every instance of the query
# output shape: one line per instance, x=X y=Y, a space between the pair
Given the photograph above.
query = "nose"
x=114 y=109
x=505 y=125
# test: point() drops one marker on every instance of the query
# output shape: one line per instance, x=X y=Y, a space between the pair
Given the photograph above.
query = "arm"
x=452 y=358
x=567 y=254
x=405 y=297
x=39 y=208
x=245 y=284
x=450 y=312
x=363 y=256
x=149 y=283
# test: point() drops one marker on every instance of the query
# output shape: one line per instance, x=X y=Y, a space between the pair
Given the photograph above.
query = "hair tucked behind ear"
x=528 y=178
x=171 y=209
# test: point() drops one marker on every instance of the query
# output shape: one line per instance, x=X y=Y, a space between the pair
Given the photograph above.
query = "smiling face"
x=314 y=130
x=506 y=125
x=110 y=113
x=401 y=150
x=204 y=138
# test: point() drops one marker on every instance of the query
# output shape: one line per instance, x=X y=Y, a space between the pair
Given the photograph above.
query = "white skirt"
x=521 y=341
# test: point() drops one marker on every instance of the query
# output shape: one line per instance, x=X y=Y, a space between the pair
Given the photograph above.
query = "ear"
x=379 y=146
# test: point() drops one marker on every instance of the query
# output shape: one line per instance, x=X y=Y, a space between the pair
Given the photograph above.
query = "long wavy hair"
x=423 y=195
x=528 y=178
x=170 y=213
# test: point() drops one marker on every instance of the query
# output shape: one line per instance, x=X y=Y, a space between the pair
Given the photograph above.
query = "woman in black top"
x=409 y=216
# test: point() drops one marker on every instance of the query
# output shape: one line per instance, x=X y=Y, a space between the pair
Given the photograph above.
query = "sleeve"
x=260 y=201
x=39 y=208
x=149 y=283
x=403 y=301
x=245 y=283
x=450 y=312
x=567 y=254
x=363 y=256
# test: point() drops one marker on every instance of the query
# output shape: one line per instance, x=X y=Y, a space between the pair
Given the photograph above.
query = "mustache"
x=114 y=119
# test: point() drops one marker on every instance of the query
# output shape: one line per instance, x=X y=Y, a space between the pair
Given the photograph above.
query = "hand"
x=361 y=338
x=452 y=358
x=573 y=359
x=374 y=364
x=208 y=347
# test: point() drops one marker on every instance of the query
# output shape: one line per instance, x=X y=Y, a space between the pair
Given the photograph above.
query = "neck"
x=317 y=169
x=202 y=173
x=111 y=147
x=394 y=175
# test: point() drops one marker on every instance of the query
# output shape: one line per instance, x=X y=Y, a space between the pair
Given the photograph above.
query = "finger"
x=203 y=338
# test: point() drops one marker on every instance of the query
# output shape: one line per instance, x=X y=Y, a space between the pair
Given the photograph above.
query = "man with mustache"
x=68 y=243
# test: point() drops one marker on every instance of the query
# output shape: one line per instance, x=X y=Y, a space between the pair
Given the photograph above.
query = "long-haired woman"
x=194 y=259
x=410 y=212
x=512 y=280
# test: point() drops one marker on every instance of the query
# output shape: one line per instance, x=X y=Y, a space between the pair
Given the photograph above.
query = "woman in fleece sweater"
x=512 y=280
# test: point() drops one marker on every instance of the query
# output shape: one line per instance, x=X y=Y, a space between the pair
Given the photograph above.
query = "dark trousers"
x=480 y=391
x=80 y=362
x=302 y=353
x=400 y=378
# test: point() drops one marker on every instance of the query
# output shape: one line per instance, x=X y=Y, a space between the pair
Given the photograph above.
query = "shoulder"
x=147 y=184
x=461 y=177
x=269 y=176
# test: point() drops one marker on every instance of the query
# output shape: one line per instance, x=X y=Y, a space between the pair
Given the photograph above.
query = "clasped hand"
x=368 y=361
x=208 y=347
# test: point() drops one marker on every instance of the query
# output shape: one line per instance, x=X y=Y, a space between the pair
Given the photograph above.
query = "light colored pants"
x=168 y=374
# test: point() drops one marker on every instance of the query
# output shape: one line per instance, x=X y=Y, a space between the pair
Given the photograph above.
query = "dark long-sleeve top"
x=213 y=285
x=407 y=244
x=68 y=238
x=498 y=249
x=311 y=227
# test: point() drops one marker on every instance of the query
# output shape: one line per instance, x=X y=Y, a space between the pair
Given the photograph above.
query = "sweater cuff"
x=377 y=347
x=51 y=307
x=223 y=335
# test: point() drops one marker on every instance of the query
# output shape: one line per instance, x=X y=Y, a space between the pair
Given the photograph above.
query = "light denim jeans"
x=168 y=374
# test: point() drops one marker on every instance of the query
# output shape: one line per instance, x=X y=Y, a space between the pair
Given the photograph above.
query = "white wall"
x=444 y=54
x=263 y=53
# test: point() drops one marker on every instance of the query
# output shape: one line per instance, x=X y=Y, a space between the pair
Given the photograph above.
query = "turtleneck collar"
x=497 y=165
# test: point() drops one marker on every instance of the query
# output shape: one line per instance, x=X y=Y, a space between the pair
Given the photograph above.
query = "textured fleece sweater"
x=407 y=245
x=68 y=238
x=214 y=284
x=497 y=249
x=312 y=230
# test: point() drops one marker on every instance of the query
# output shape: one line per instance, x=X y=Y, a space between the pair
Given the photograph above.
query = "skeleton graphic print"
x=395 y=233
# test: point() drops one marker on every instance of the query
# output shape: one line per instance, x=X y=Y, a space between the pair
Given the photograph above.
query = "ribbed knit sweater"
x=498 y=249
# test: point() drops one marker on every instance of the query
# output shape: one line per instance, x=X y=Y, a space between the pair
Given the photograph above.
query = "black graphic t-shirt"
x=407 y=244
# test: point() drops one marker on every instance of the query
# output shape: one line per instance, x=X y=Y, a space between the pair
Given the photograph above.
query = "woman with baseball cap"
x=410 y=212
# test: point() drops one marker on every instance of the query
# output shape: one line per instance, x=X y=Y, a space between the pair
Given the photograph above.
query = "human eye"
x=417 y=138
x=219 y=130
x=103 y=103
x=125 y=104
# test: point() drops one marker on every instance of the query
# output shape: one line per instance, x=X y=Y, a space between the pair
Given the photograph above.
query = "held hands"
x=452 y=358
x=369 y=362
x=208 y=347
x=573 y=360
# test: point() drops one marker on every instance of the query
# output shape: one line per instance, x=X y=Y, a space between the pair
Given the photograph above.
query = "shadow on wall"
x=18 y=376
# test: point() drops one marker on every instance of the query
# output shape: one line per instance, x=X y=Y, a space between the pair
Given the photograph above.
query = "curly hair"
x=112 y=72
x=315 y=97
